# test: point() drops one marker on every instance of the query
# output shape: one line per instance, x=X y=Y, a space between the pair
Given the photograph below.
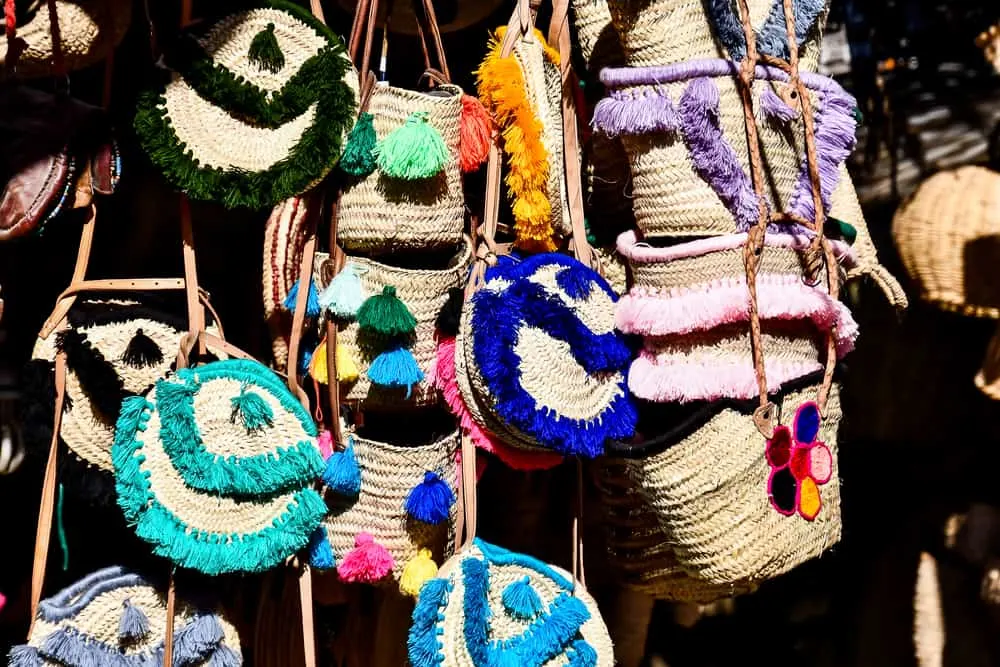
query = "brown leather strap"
x=186 y=13
x=79 y=272
x=317 y=9
x=168 y=639
x=196 y=316
x=467 y=493
x=43 y=533
x=369 y=9
x=209 y=341
x=333 y=383
x=308 y=625
x=579 y=574
x=299 y=314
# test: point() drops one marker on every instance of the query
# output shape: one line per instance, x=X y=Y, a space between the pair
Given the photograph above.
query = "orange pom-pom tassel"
x=476 y=133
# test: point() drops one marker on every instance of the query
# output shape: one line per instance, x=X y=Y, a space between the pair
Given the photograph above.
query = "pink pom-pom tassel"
x=368 y=563
x=325 y=442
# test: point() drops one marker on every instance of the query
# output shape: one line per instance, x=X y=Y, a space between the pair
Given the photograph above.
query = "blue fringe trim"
x=772 y=38
x=424 y=646
x=68 y=602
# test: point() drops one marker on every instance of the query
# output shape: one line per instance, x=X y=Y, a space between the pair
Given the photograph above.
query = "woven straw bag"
x=257 y=110
x=389 y=474
x=215 y=466
x=600 y=44
x=946 y=234
x=424 y=291
x=284 y=239
x=89 y=30
x=116 y=617
x=114 y=349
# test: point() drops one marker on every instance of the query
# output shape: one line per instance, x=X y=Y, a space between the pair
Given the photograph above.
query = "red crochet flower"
x=799 y=464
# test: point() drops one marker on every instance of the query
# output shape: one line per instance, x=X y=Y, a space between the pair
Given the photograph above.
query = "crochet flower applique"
x=799 y=465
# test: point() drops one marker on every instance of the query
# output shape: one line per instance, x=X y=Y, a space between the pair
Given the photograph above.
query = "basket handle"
x=365 y=18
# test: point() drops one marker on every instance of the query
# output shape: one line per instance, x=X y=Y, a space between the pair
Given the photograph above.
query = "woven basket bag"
x=389 y=473
x=424 y=291
x=116 y=617
x=89 y=31
x=946 y=234
x=711 y=490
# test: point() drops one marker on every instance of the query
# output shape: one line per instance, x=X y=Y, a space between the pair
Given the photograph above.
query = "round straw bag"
x=691 y=304
x=116 y=617
x=88 y=30
x=737 y=512
x=424 y=292
x=114 y=349
x=947 y=234
x=257 y=110
x=392 y=477
x=214 y=467
x=663 y=32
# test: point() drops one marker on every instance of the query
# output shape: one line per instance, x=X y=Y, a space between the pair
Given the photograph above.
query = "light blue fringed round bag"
x=117 y=618
x=215 y=467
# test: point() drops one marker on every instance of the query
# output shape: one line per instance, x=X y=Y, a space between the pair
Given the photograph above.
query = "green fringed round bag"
x=256 y=110
x=214 y=467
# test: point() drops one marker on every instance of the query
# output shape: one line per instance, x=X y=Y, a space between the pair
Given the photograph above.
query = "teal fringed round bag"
x=214 y=467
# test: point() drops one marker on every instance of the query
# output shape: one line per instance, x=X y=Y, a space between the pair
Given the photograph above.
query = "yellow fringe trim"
x=502 y=91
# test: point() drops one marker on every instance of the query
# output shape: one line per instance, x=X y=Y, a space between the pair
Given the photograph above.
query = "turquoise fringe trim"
x=423 y=645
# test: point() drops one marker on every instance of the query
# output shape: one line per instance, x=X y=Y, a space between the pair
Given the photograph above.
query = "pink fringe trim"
x=679 y=382
x=706 y=306
x=639 y=253
x=444 y=379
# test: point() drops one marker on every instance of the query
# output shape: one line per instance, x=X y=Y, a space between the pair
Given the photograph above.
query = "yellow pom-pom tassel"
x=317 y=365
x=347 y=370
x=418 y=572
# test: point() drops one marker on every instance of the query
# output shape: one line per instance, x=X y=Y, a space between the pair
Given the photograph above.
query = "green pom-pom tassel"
x=386 y=315
x=521 y=600
x=359 y=153
x=265 y=52
x=252 y=410
x=414 y=151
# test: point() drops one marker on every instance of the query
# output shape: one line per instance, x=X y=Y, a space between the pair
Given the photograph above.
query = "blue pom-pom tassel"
x=25 y=656
x=312 y=302
x=343 y=297
x=133 y=624
x=431 y=500
x=396 y=368
x=225 y=657
x=320 y=552
x=521 y=600
x=582 y=654
x=342 y=474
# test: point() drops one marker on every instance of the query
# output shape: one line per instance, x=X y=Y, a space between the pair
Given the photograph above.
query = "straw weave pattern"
x=388 y=474
x=599 y=41
x=381 y=214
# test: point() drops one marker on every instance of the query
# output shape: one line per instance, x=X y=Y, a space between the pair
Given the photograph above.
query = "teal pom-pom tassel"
x=133 y=624
x=359 y=153
x=251 y=408
x=345 y=294
x=396 y=368
x=320 y=552
x=265 y=52
x=431 y=500
x=521 y=600
x=414 y=151
x=342 y=474
x=312 y=301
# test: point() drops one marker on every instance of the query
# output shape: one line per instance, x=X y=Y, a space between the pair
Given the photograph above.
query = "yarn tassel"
x=198 y=637
x=582 y=654
x=622 y=112
x=521 y=600
x=475 y=133
x=318 y=369
x=325 y=442
x=776 y=108
x=396 y=368
x=25 y=655
x=224 y=656
x=385 y=314
x=320 y=552
x=367 y=563
x=142 y=351
x=252 y=410
x=431 y=500
x=347 y=369
x=312 y=301
x=359 y=154
x=414 y=151
x=418 y=572
x=345 y=294
x=342 y=474
x=133 y=624
x=265 y=52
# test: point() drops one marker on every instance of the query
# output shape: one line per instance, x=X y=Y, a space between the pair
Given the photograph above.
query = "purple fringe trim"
x=714 y=159
x=623 y=112
x=776 y=108
x=835 y=139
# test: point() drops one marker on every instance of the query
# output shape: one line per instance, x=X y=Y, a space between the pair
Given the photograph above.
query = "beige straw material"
x=670 y=199
x=599 y=41
x=284 y=237
x=929 y=636
x=382 y=214
x=424 y=291
x=85 y=431
x=638 y=549
x=501 y=624
x=614 y=268
x=388 y=475
x=947 y=236
x=710 y=494
x=89 y=30
x=663 y=32
x=220 y=140
x=100 y=617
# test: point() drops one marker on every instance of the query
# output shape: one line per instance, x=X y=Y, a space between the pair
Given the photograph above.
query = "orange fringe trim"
x=502 y=90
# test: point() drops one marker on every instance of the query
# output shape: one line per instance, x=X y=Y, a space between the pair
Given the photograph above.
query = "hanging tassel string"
x=61 y=530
